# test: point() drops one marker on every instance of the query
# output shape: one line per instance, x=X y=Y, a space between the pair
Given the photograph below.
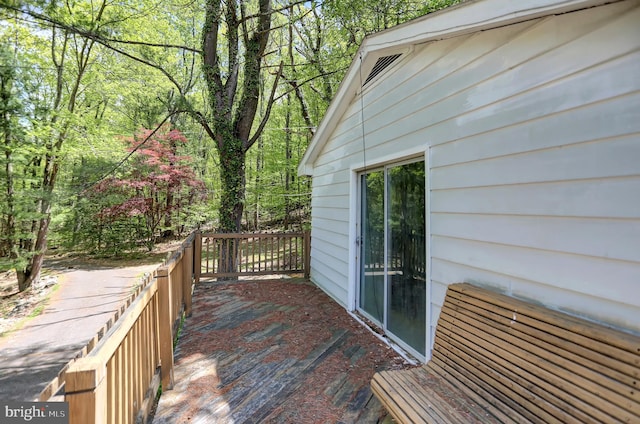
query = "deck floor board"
x=277 y=351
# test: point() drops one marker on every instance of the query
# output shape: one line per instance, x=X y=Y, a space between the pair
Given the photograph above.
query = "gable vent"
x=382 y=64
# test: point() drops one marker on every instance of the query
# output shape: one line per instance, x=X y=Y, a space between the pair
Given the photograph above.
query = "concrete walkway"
x=88 y=296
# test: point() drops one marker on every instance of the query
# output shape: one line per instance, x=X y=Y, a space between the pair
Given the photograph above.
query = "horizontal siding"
x=478 y=110
x=623 y=316
x=606 y=238
x=333 y=217
x=329 y=265
x=329 y=234
x=533 y=132
x=328 y=277
x=471 y=79
x=345 y=142
x=330 y=228
x=614 y=198
x=598 y=159
x=329 y=179
x=611 y=118
x=597 y=277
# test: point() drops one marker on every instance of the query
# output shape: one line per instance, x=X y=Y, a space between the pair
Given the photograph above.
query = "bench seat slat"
x=579 y=331
x=517 y=379
x=437 y=407
x=446 y=403
x=567 y=353
x=498 y=386
x=476 y=407
x=484 y=398
x=576 y=379
x=497 y=359
x=406 y=402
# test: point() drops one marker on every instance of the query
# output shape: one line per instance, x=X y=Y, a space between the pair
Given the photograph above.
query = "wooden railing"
x=117 y=381
x=54 y=390
x=247 y=254
x=114 y=379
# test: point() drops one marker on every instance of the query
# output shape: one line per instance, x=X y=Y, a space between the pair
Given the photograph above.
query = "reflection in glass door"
x=392 y=250
x=406 y=302
x=372 y=246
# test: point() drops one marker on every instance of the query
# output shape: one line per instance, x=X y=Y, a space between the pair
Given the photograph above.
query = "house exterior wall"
x=532 y=138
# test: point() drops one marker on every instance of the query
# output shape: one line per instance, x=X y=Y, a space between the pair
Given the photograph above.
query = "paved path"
x=88 y=296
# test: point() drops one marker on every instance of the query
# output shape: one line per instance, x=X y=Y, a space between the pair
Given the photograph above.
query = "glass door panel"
x=406 y=255
x=392 y=273
x=371 y=293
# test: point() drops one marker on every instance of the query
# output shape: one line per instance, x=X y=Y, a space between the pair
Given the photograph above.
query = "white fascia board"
x=464 y=18
x=473 y=16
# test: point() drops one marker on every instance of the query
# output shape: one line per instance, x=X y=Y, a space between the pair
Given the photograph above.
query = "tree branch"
x=135 y=149
x=278 y=10
x=308 y=80
x=146 y=44
x=265 y=118
x=94 y=37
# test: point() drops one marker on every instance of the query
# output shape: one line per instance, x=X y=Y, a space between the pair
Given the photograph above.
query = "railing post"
x=197 y=257
x=165 y=328
x=187 y=278
x=307 y=254
x=86 y=392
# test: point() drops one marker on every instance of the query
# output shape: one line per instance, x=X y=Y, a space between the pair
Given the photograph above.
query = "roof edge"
x=464 y=18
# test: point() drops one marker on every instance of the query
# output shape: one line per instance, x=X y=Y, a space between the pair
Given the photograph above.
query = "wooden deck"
x=273 y=351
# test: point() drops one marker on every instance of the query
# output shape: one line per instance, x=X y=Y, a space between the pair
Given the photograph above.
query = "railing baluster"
x=260 y=250
x=253 y=255
x=271 y=262
x=246 y=254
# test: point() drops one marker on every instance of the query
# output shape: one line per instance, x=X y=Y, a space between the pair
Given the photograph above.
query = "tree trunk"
x=232 y=200
x=232 y=158
x=234 y=109
x=259 y=161
x=287 y=171
x=7 y=246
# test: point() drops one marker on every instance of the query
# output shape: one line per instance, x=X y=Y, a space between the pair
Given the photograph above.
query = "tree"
x=65 y=101
x=11 y=135
x=233 y=97
x=158 y=185
x=246 y=49
x=54 y=92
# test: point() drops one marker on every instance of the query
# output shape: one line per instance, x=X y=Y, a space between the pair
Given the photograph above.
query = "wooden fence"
x=115 y=378
x=248 y=254
x=118 y=380
x=54 y=390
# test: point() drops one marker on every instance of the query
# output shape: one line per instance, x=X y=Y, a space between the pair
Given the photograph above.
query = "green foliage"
x=67 y=98
x=19 y=189
x=152 y=197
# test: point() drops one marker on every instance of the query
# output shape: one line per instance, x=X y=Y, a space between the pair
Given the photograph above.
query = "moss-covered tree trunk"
x=233 y=85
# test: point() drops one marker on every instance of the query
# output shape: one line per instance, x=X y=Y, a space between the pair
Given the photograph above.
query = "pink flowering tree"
x=158 y=185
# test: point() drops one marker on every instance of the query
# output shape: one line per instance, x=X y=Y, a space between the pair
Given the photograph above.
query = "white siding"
x=534 y=138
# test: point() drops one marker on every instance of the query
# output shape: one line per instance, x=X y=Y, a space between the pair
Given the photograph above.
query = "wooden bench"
x=500 y=359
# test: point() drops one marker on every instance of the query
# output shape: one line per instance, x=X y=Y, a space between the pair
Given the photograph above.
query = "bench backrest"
x=539 y=364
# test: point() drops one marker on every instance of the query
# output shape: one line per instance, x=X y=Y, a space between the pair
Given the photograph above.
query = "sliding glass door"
x=372 y=263
x=392 y=283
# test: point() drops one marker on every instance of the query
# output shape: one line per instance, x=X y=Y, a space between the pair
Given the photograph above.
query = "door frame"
x=354 y=235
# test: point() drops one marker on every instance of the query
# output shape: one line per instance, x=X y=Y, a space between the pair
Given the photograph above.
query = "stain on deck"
x=273 y=351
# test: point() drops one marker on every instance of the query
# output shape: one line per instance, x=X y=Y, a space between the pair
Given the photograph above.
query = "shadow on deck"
x=273 y=351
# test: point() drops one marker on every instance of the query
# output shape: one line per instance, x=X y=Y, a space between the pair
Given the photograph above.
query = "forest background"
x=123 y=123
